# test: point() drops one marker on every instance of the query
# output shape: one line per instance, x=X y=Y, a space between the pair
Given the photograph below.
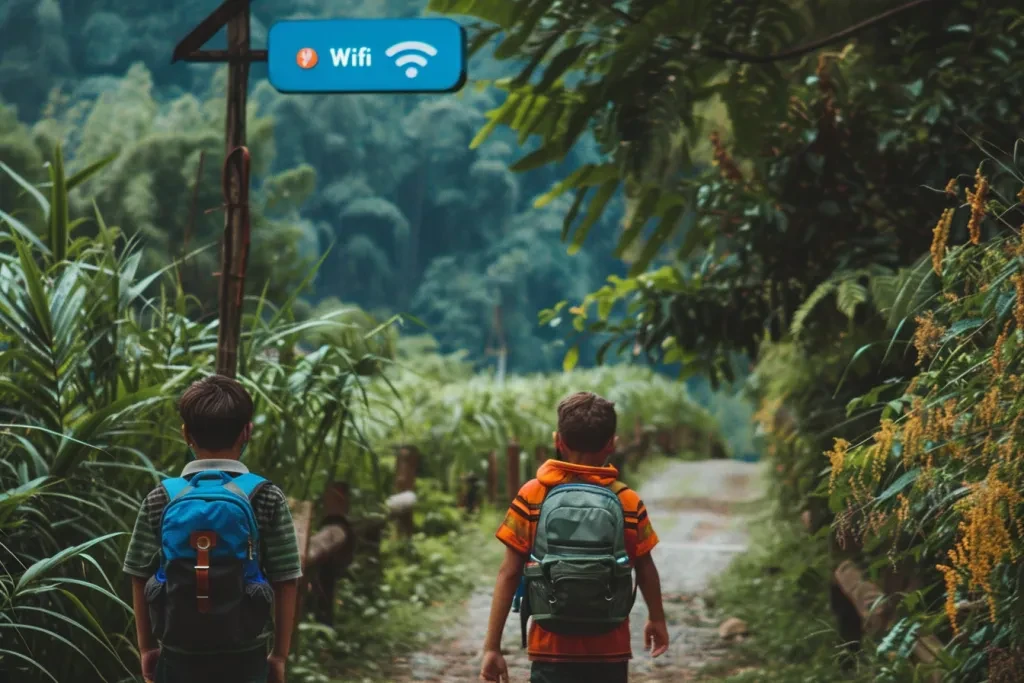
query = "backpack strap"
x=249 y=484
x=175 y=487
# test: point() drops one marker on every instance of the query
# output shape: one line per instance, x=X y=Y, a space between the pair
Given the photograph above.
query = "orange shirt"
x=518 y=529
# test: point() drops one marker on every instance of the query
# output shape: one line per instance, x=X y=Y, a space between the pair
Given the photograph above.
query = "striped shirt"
x=519 y=529
x=279 y=549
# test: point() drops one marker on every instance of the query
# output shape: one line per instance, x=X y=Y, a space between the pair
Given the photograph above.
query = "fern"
x=819 y=294
x=849 y=295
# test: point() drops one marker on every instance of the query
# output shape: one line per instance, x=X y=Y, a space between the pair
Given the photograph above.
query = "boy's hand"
x=148 y=659
x=493 y=667
x=656 y=637
x=275 y=669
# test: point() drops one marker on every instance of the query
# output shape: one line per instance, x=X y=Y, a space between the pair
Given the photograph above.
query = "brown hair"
x=215 y=410
x=586 y=422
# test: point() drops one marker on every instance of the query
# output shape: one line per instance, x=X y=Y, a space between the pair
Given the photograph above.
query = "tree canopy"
x=764 y=149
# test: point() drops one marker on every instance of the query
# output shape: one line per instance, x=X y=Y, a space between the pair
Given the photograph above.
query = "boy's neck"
x=230 y=454
x=585 y=459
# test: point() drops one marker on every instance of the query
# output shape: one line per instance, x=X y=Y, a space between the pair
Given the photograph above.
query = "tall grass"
x=91 y=361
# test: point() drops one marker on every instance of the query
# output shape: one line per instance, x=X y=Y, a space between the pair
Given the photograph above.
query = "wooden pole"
x=492 y=477
x=302 y=518
x=540 y=455
x=234 y=15
x=235 y=248
x=512 y=469
x=404 y=479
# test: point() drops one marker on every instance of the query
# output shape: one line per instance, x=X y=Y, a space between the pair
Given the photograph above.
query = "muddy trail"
x=697 y=511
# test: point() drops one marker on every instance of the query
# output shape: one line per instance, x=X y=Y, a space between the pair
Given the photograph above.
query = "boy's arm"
x=283 y=567
x=143 y=629
x=650 y=585
x=656 y=630
x=284 y=616
x=504 y=591
x=141 y=560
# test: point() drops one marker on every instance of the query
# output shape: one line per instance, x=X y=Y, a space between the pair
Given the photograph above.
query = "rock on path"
x=691 y=505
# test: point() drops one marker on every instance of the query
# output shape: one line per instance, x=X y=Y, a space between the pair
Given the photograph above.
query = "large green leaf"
x=42 y=568
x=60 y=234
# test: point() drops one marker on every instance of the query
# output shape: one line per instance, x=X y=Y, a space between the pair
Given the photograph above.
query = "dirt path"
x=691 y=506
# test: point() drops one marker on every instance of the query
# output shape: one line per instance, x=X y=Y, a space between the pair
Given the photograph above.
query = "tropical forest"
x=784 y=237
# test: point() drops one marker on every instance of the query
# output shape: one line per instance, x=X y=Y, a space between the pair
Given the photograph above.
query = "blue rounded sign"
x=367 y=56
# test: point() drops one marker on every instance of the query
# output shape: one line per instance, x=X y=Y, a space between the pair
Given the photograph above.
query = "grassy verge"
x=781 y=589
x=423 y=582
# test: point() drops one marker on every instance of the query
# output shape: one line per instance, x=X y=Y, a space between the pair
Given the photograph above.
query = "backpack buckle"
x=202 y=542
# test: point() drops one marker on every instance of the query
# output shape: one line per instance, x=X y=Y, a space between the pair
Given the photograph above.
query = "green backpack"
x=578 y=580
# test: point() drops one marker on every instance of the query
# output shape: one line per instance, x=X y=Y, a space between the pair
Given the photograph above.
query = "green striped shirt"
x=279 y=549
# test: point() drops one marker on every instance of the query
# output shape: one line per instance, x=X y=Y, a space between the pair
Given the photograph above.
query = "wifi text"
x=351 y=56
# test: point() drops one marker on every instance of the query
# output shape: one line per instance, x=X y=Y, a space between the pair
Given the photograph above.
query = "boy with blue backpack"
x=574 y=536
x=213 y=556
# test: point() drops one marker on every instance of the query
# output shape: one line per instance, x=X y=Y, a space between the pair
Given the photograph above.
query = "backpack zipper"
x=250 y=547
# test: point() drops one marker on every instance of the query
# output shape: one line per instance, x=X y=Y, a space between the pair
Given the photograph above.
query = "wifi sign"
x=412 y=71
x=367 y=56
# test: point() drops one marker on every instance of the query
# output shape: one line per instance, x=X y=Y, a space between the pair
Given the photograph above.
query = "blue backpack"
x=209 y=594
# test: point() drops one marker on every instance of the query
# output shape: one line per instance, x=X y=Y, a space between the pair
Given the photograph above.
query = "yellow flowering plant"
x=937 y=483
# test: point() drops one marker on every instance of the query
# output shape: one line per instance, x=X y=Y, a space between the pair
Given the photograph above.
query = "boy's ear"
x=246 y=434
x=184 y=435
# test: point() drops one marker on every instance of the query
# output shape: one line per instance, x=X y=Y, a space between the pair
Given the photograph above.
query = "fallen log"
x=326 y=543
x=866 y=597
x=876 y=611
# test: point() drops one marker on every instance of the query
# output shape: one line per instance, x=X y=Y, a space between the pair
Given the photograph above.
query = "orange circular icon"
x=306 y=58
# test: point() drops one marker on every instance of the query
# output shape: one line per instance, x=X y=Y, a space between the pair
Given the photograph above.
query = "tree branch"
x=801 y=50
x=792 y=52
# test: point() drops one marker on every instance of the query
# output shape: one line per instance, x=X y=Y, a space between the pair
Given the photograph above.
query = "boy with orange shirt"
x=573 y=536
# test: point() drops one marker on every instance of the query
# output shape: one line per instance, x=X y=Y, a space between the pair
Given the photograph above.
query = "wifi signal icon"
x=413 y=58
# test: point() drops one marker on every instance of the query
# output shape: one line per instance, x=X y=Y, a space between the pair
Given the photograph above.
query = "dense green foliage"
x=806 y=246
x=938 y=486
x=90 y=366
x=415 y=221
x=813 y=152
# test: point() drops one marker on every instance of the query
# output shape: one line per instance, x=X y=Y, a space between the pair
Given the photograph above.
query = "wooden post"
x=336 y=500
x=492 y=477
x=405 y=480
x=512 y=466
x=234 y=14
x=540 y=455
x=302 y=518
